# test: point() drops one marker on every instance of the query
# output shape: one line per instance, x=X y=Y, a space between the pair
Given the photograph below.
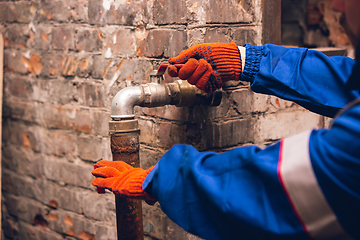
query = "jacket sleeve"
x=305 y=185
x=219 y=196
x=307 y=77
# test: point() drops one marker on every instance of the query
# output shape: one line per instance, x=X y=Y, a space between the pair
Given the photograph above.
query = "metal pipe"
x=125 y=147
x=178 y=93
x=125 y=133
x=124 y=102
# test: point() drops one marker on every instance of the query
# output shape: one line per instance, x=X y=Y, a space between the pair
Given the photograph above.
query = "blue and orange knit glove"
x=208 y=66
x=123 y=179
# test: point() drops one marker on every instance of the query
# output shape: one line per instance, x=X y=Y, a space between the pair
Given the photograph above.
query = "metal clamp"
x=123 y=126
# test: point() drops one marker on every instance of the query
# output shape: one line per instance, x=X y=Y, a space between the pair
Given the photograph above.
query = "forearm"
x=309 y=78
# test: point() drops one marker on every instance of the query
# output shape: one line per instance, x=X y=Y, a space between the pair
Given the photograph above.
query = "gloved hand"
x=123 y=179
x=208 y=65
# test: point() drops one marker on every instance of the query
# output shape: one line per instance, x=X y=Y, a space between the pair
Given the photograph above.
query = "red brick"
x=226 y=12
x=84 y=67
x=20 y=87
x=25 y=111
x=147 y=130
x=217 y=35
x=16 y=36
x=94 y=149
x=283 y=124
x=82 y=121
x=66 y=118
x=200 y=113
x=22 y=161
x=120 y=14
x=100 y=125
x=51 y=117
x=149 y=156
x=23 y=208
x=100 y=66
x=63 y=11
x=52 y=64
x=168 y=112
x=170 y=12
x=92 y=94
x=15 y=184
x=60 y=143
x=55 y=92
x=163 y=43
x=68 y=65
x=11 y=228
x=43 y=38
x=22 y=63
x=72 y=224
x=22 y=12
x=63 y=38
x=243 y=100
x=89 y=40
x=213 y=11
x=132 y=71
x=13 y=62
x=243 y=36
x=68 y=173
x=277 y=104
x=195 y=36
x=77 y=119
x=14 y=132
x=7 y=12
x=32 y=63
x=170 y=134
x=121 y=42
x=229 y=133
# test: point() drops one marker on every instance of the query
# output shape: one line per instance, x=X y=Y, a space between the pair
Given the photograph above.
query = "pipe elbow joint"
x=124 y=102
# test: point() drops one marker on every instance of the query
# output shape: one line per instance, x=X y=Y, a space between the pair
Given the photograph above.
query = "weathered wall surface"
x=311 y=23
x=65 y=60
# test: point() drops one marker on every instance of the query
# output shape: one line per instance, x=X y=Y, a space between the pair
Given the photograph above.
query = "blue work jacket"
x=305 y=186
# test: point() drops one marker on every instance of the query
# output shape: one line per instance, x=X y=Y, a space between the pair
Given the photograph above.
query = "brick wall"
x=65 y=60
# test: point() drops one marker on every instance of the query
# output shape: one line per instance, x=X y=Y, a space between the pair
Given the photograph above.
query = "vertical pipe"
x=125 y=147
x=124 y=132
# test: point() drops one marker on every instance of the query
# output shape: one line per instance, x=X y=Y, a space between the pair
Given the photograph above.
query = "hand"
x=116 y=165
x=208 y=66
x=122 y=179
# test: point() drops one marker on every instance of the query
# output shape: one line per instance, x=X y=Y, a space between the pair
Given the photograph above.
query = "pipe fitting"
x=123 y=126
x=122 y=106
x=178 y=93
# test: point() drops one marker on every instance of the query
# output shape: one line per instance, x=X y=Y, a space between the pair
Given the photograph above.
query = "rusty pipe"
x=125 y=147
x=125 y=134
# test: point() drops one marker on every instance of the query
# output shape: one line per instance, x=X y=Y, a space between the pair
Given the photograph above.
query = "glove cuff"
x=134 y=184
x=226 y=60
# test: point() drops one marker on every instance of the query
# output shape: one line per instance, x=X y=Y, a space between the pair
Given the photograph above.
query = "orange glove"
x=121 y=178
x=208 y=65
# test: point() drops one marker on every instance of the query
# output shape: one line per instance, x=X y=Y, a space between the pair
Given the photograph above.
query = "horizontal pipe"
x=178 y=93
